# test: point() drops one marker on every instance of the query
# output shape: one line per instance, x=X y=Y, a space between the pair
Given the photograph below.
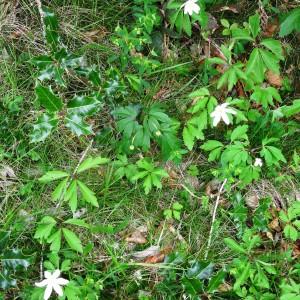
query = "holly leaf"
x=83 y=105
x=77 y=125
x=47 y=99
x=43 y=127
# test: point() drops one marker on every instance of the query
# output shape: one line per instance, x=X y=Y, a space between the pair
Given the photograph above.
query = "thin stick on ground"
x=39 y=6
x=214 y=218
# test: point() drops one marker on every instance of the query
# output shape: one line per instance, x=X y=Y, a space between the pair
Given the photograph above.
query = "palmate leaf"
x=265 y=96
x=43 y=127
x=47 y=99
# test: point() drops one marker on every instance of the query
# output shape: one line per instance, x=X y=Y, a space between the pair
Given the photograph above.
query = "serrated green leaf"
x=71 y=195
x=240 y=132
x=211 y=145
x=53 y=175
x=290 y=232
x=72 y=240
x=233 y=245
x=290 y=23
x=254 y=24
x=44 y=228
x=55 y=240
x=92 y=162
x=87 y=194
x=60 y=190
x=77 y=222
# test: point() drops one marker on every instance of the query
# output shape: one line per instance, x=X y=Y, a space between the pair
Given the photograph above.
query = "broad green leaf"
x=271 y=62
x=274 y=46
x=291 y=110
x=92 y=162
x=55 y=240
x=290 y=232
x=255 y=65
x=44 y=228
x=292 y=22
x=201 y=270
x=243 y=277
x=72 y=240
x=47 y=99
x=77 y=125
x=240 y=132
x=60 y=190
x=233 y=245
x=211 y=145
x=216 y=281
x=87 y=194
x=77 y=222
x=71 y=195
x=189 y=137
x=43 y=127
x=254 y=24
x=83 y=105
x=53 y=175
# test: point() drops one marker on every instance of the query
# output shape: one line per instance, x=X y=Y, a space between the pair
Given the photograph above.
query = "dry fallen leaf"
x=155 y=259
x=274 y=225
x=7 y=172
x=151 y=251
x=271 y=28
x=252 y=200
x=274 y=79
x=138 y=236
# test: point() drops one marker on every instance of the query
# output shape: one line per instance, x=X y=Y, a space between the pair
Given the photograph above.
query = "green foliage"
x=203 y=104
x=139 y=127
x=291 y=23
x=150 y=175
x=11 y=261
x=184 y=22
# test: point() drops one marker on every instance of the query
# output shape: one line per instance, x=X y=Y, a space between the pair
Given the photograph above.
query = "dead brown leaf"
x=271 y=28
x=155 y=259
x=151 y=251
x=274 y=225
x=95 y=35
x=232 y=8
x=138 y=236
x=252 y=200
x=274 y=79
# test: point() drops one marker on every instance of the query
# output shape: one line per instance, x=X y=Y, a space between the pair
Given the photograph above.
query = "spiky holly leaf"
x=43 y=127
x=47 y=98
x=77 y=125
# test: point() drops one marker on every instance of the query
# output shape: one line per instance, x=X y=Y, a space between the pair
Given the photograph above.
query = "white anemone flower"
x=258 y=162
x=221 y=112
x=190 y=7
x=52 y=282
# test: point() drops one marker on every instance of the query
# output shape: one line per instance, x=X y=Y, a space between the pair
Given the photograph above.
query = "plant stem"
x=214 y=218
